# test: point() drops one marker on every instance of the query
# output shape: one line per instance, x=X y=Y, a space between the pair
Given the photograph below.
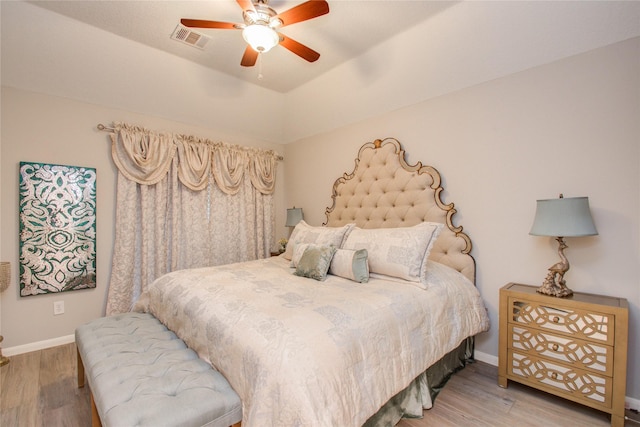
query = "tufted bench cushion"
x=142 y=374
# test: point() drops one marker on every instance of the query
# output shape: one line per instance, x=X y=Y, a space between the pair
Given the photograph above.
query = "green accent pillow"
x=315 y=262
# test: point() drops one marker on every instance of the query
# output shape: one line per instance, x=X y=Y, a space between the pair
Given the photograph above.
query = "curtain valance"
x=145 y=157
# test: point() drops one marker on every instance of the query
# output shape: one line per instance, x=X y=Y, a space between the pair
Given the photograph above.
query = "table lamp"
x=294 y=216
x=560 y=218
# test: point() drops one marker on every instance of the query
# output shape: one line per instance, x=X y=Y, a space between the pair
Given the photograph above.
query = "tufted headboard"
x=383 y=191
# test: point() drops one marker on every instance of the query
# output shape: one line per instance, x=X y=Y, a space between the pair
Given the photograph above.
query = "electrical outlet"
x=58 y=307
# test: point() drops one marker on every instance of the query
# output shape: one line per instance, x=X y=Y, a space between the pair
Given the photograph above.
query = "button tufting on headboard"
x=398 y=194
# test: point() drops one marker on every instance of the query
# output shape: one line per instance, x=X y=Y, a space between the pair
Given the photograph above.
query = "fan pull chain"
x=260 y=76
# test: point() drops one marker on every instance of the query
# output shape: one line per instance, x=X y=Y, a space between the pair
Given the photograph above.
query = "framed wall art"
x=57 y=228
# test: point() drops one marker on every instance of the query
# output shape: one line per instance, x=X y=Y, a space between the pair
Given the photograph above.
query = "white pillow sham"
x=437 y=274
x=305 y=233
x=396 y=252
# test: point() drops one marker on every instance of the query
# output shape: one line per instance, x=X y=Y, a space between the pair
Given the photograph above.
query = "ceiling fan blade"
x=246 y=5
x=249 y=58
x=199 y=23
x=304 y=11
x=298 y=48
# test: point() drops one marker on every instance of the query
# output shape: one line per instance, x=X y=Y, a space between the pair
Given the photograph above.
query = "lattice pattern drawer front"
x=591 y=356
x=578 y=323
x=566 y=380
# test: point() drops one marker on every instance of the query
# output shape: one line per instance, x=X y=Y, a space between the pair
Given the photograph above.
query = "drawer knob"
x=555 y=319
x=555 y=347
x=554 y=375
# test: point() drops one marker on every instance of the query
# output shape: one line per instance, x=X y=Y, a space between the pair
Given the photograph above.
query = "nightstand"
x=573 y=347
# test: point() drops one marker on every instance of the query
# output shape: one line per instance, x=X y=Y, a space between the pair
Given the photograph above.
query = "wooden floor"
x=40 y=389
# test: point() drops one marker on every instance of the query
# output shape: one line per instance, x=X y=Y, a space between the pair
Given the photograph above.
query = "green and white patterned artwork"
x=57 y=228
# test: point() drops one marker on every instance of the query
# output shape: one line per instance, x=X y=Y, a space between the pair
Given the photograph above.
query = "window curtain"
x=184 y=202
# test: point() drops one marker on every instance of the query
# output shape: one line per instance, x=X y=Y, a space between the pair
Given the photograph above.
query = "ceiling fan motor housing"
x=263 y=15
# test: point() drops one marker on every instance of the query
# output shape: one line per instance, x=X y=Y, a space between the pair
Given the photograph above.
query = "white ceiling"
x=377 y=57
x=349 y=30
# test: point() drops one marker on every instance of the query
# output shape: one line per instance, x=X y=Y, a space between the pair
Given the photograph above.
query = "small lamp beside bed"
x=294 y=216
x=560 y=218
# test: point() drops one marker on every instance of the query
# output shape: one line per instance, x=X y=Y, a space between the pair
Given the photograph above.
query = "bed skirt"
x=422 y=391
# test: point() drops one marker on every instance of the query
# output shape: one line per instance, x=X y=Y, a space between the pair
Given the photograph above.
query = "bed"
x=359 y=322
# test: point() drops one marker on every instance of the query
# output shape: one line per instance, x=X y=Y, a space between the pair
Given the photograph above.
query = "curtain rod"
x=105 y=128
x=109 y=129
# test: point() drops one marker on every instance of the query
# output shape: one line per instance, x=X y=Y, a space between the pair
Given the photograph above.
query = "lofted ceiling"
x=376 y=56
x=350 y=29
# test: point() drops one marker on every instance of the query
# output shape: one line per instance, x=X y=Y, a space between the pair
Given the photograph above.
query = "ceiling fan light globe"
x=260 y=37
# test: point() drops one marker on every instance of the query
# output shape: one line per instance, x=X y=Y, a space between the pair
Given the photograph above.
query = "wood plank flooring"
x=39 y=389
x=472 y=398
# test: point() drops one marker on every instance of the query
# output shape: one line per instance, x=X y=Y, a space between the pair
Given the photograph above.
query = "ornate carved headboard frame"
x=383 y=191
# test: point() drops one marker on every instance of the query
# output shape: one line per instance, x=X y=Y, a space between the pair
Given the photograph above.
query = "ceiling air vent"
x=190 y=37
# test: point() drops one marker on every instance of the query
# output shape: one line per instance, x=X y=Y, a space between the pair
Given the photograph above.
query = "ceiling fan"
x=261 y=27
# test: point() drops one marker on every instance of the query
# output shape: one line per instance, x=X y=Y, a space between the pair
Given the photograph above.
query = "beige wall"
x=572 y=126
x=63 y=57
x=48 y=129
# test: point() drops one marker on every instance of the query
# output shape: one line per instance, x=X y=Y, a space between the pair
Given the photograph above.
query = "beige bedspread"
x=305 y=353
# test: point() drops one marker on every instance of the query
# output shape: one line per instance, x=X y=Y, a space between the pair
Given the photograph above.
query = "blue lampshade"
x=563 y=217
x=294 y=216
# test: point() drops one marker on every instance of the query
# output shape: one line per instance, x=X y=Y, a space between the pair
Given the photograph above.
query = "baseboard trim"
x=39 y=345
x=486 y=358
x=631 y=403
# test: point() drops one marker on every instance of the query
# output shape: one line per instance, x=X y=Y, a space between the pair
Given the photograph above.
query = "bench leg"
x=95 y=418
x=80 y=369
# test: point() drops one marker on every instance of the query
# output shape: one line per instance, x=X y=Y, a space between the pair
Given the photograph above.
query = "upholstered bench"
x=142 y=374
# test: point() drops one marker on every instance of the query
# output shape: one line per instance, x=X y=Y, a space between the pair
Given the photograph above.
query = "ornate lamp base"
x=555 y=290
x=554 y=283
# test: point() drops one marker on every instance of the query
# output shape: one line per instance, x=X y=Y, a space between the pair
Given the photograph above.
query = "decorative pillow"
x=305 y=233
x=314 y=262
x=350 y=264
x=297 y=253
x=397 y=252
